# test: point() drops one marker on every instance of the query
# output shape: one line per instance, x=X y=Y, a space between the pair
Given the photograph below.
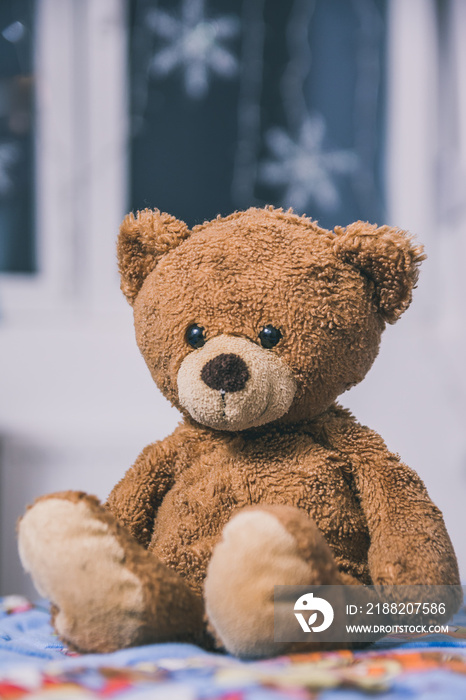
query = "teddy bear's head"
x=261 y=316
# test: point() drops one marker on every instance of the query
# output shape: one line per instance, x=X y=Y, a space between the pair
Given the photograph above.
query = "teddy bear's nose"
x=226 y=372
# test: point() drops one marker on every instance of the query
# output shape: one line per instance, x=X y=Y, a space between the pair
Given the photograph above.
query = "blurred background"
x=342 y=109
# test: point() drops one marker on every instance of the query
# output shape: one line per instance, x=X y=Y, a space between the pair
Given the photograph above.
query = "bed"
x=35 y=664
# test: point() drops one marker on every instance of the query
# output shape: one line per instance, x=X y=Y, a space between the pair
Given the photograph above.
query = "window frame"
x=80 y=162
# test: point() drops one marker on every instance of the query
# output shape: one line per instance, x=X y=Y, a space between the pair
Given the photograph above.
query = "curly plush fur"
x=267 y=480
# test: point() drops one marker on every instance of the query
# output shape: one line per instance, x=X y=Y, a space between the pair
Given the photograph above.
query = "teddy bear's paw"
x=68 y=543
x=261 y=548
x=107 y=591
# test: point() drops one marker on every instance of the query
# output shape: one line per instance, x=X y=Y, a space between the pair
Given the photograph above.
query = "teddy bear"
x=251 y=325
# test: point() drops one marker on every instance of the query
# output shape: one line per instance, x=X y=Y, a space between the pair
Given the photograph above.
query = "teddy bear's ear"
x=387 y=257
x=142 y=241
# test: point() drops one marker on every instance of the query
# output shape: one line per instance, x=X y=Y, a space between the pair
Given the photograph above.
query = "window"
x=17 y=246
x=231 y=107
x=77 y=157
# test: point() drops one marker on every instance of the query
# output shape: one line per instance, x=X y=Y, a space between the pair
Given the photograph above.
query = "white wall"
x=78 y=406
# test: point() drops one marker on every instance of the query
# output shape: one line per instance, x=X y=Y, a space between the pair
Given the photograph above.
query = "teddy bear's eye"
x=195 y=336
x=269 y=336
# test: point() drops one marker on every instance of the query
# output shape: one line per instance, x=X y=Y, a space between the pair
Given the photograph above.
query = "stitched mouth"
x=264 y=411
x=222 y=394
x=224 y=415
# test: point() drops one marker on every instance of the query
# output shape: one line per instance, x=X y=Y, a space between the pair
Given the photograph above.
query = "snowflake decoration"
x=303 y=168
x=194 y=43
x=9 y=156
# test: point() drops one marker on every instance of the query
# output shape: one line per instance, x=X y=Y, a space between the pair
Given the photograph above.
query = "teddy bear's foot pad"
x=261 y=547
x=107 y=590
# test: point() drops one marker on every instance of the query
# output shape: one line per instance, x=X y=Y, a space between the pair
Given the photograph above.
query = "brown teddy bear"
x=252 y=325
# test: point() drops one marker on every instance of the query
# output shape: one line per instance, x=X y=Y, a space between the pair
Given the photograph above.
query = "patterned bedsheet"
x=34 y=664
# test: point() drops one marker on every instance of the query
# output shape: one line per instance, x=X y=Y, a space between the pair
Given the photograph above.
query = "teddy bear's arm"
x=409 y=541
x=135 y=499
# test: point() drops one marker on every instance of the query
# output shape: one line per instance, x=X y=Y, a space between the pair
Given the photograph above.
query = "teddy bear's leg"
x=262 y=547
x=107 y=591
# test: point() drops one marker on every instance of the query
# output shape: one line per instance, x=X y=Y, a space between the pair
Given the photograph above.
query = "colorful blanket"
x=35 y=665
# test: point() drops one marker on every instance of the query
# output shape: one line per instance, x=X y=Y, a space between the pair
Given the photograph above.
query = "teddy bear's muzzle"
x=233 y=384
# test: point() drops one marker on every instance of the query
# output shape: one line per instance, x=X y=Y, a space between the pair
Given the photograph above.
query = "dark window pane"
x=261 y=101
x=17 y=250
